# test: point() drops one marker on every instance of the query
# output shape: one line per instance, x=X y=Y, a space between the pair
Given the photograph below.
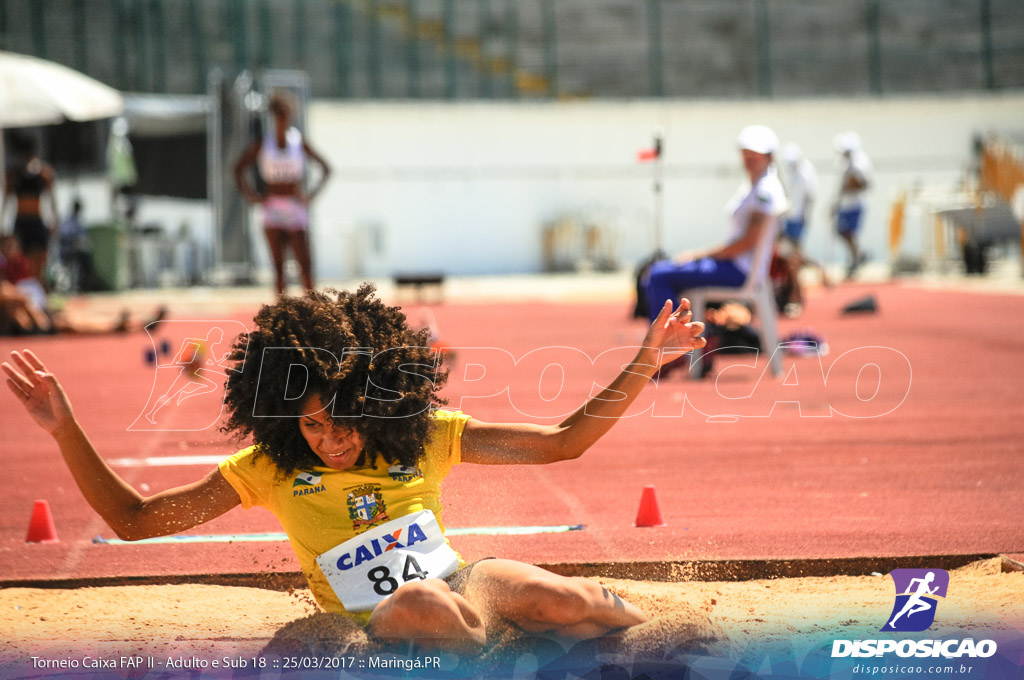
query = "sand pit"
x=710 y=618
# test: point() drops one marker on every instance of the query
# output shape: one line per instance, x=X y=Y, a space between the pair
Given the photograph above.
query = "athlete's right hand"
x=38 y=391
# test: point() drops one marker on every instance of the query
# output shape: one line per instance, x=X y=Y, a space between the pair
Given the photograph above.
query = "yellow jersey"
x=321 y=508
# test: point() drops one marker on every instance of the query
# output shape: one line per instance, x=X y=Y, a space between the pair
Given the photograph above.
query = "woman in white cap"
x=855 y=171
x=755 y=207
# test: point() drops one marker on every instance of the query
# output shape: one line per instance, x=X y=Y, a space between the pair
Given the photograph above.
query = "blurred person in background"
x=801 y=181
x=855 y=176
x=756 y=206
x=122 y=173
x=30 y=183
x=281 y=157
x=75 y=255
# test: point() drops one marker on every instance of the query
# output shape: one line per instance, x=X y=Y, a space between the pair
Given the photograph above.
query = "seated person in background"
x=756 y=206
x=25 y=309
x=14 y=265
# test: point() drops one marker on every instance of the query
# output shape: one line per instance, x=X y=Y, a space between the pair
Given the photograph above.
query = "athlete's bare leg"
x=277 y=240
x=539 y=601
x=299 y=242
x=429 y=614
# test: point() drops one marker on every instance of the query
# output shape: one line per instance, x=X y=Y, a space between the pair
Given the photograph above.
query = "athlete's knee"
x=427 y=610
x=411 y=605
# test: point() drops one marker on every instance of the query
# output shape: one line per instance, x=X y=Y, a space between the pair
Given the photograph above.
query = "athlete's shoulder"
x=445 y=439
x=250 y=458
x=446 y=416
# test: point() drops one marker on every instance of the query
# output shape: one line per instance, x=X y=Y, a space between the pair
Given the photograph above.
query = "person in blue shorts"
x=801 y=181
x=756 y=206
x=855 y=180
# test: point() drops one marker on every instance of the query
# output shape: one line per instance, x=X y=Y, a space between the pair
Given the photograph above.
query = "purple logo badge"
x=917 y=593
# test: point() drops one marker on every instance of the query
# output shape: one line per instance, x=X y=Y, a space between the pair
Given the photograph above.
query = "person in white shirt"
x=756 y=206
x=801 y=182
x=855 y=180
x=281 y=159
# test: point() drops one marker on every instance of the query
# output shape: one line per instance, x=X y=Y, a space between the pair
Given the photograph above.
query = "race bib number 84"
x=365 y=570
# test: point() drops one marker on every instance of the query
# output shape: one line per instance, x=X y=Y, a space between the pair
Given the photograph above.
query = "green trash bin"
x=109 y=245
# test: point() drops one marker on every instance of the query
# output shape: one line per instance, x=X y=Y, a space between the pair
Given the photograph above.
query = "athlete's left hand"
x=675 y=330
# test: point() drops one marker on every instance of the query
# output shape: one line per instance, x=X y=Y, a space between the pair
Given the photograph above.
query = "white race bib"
x=363 y=571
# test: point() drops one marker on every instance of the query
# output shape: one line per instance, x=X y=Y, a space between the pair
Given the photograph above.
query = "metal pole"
x=874 y=24
x=412 y=49
x=659 y=193
x=764 y=50
x=654 y=51
x=81 y=45
x=550 y=47
x=5 y=38
x=450 y=66
x=374 y=58
x=197 y=29
x=484 y=19
x=138 y=19
x=156 y=8
x=300 y=34
x=265 y=35
x=38 y=18
x=986 y=45
x=343 y=47
x=119 y=44
x=512 y=21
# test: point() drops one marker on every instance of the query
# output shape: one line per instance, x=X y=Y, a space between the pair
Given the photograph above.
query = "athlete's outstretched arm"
x=525 y=443
x=131 y=515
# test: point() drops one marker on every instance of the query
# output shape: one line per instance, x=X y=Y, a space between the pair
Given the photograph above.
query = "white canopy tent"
x=38 y=92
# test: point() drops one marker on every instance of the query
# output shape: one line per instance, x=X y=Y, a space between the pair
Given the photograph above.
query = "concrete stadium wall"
x=466 y=188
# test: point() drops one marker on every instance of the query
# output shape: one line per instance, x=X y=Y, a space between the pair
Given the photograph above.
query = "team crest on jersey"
x=402 y=473
x=366 y=506
x=307 y=483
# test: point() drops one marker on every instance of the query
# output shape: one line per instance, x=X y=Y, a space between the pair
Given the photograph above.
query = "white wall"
x=465 y=188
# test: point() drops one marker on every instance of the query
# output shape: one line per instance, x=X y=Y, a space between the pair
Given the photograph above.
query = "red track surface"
x=939 y=472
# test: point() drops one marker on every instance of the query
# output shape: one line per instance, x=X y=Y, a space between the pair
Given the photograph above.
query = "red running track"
x=912 y=446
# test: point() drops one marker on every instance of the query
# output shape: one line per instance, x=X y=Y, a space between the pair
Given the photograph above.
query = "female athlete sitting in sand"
x=352 y=467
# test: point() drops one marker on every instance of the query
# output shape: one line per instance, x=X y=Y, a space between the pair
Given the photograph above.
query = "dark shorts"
x=31 y=233
x=457 y=581
x=848 y=220
x=795 y=229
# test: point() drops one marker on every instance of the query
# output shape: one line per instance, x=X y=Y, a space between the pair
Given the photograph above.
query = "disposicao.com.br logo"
x=917 y=599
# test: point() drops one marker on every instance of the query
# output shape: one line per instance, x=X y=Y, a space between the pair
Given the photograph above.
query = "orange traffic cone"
x=649 y=514
x=40 y=527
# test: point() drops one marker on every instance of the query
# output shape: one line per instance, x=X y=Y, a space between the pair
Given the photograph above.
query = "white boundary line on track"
x=165 y=461
x=278 y=536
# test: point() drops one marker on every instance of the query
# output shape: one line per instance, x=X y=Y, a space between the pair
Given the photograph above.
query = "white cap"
x=790 y=153
x=758 y=138
x=847 y=141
